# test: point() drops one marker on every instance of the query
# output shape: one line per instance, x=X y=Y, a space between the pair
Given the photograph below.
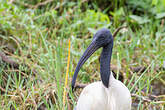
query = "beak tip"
x=73 y=84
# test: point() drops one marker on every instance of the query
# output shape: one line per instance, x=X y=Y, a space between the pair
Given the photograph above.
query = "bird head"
x=102 y=38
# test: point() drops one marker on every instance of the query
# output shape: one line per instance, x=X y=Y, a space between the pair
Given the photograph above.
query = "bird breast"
x=96 y=96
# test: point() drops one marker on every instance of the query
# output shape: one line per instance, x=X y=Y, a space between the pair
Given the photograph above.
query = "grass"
x=39 y=38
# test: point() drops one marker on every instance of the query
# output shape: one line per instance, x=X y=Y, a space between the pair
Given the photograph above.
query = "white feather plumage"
x=96 y=96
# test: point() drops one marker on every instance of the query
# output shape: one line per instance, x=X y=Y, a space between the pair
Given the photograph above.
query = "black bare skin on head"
x=102 y=38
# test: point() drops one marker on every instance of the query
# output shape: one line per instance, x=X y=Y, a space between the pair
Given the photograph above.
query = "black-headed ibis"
x=109 y=93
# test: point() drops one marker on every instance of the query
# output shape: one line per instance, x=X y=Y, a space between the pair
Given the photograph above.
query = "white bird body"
x=96 y=96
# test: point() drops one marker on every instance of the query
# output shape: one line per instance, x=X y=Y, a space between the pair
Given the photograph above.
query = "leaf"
x=94 y=19
x=154 y=2
x=160 y=15
x=93 y=31
x=139 y=19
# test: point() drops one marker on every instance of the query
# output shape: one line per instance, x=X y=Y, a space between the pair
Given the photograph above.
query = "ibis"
x=109 y=93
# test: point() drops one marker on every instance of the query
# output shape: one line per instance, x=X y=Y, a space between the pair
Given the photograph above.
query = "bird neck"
x=105 y=60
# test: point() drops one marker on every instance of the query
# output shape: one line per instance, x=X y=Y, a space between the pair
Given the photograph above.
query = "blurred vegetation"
x=35 y=34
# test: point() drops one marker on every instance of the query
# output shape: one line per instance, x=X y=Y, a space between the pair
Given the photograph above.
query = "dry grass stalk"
x=66 y=77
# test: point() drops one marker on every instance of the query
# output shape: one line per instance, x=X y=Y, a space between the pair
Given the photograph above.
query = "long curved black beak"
x=89 y=51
